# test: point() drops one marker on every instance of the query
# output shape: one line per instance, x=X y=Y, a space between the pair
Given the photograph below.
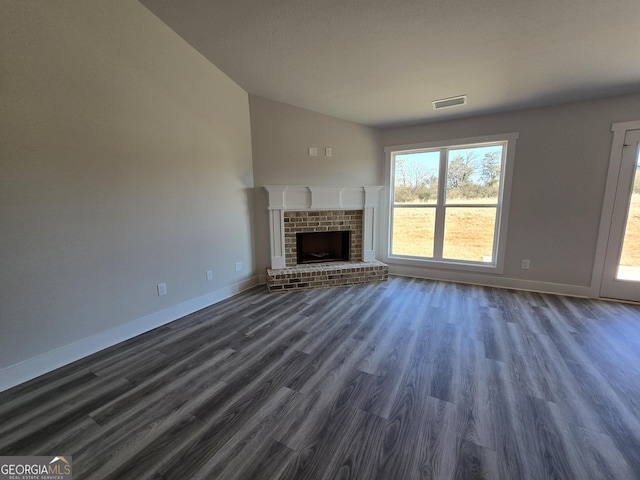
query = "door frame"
x=615 y=161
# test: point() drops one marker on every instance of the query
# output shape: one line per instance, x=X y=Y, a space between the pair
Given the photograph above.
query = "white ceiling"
x=382 y=62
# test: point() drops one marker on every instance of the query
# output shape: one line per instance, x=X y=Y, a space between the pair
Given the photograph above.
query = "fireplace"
x=295 y=209
x=328 y=222
x=316 y=247
x=322 y=237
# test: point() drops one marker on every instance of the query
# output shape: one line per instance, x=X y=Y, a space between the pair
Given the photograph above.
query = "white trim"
x=454 y=265
x=302 y=198
x=503 y=205
x=33 y=367
x=615 y=160
x=624 y=126
x=309 y=198
x=490 y=281
x=276 y=229
x=454 y=142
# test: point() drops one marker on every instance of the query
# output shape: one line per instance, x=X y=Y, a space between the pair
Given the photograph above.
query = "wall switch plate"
x=525 y=264
x=209 y=275
x=162 y=289
x=313 y=151
x=327 y=152
x=238 y=266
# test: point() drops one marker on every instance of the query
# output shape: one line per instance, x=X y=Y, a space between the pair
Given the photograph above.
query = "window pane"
x=413 y=231
x=416 y=178
x=473 y=174
x=468 y=233
x=629 y=268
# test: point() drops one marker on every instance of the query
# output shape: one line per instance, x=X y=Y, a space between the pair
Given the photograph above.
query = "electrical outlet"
x=238 y=266
x=313 y=151
x=327 y=152
x=209 y=275
x=162 y=289
x=525 y=264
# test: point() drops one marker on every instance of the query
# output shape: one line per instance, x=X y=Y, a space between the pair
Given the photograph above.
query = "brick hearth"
x=330 y=274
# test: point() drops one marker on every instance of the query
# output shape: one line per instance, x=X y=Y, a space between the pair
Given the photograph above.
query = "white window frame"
x=496 y=266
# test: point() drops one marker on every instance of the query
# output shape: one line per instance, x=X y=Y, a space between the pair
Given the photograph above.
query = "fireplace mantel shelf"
x=314 y=198
x=298 y=197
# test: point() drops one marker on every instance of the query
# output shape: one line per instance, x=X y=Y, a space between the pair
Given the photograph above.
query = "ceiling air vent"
x=449 y=102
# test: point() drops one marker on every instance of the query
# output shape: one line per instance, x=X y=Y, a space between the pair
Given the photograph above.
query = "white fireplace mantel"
x=302 y=198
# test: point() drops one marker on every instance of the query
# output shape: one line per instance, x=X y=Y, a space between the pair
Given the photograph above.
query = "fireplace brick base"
x=319 y=275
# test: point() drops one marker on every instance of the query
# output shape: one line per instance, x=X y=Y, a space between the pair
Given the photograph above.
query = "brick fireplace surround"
x=322 y=221
x=322 y=209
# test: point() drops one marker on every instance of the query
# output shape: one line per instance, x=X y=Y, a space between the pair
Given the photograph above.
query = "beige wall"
x=125 y=161
x=281 y=136
x=560 y=172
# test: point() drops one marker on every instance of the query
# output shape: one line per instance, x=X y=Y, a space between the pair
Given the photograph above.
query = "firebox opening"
x=315 y=247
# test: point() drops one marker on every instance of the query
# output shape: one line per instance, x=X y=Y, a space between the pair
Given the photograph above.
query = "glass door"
x=621 y=274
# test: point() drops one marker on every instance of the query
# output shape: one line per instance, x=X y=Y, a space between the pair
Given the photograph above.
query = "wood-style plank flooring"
x=407 y=379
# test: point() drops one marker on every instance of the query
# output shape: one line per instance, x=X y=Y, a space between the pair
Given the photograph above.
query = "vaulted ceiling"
x=382 y=62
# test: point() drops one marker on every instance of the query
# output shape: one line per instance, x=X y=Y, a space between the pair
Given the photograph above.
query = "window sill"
x=445 y=264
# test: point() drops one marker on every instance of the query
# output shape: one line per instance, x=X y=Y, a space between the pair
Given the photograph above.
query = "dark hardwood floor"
x=407 y=379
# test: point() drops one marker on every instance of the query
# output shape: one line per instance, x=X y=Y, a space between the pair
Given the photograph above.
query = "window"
x=448 y=202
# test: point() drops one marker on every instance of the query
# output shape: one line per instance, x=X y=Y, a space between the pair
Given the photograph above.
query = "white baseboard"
x=492 y=281
x=21 y=372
